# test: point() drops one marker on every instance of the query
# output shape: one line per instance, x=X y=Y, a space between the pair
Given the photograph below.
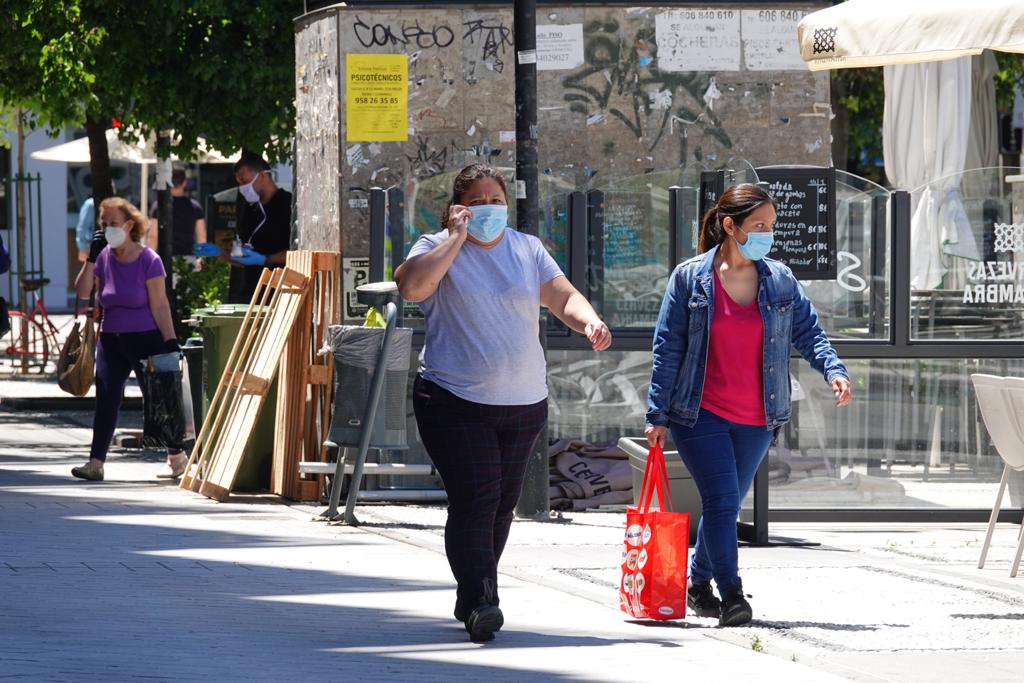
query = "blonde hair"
x=139 y=223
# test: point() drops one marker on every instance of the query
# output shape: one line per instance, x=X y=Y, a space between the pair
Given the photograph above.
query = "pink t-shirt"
x=122 y=291
x=733 y=382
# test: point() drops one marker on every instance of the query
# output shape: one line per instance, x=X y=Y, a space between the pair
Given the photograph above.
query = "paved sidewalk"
x=131 y=578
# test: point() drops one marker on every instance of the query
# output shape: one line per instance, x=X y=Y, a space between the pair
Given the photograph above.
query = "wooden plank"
x=242 y=390
x=195 y=462
x=304 y=379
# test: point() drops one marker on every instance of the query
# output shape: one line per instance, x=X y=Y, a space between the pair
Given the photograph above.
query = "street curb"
x=62 y=403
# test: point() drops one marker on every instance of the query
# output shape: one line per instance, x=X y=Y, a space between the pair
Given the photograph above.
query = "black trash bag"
x=164 y=419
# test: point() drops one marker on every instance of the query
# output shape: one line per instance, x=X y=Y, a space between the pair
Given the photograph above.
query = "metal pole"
x=577 y=243
x=899 y=297
x=165 y=227
x=369 y=415
x=675 y=224
x=533 y=501
x=396 y=234
x=378 y=230
x=595 y=249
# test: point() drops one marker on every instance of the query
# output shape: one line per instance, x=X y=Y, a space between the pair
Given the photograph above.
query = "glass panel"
x=856 y=304
x=967 y=263
x=912 y=438
x=597 y=397
x=637 y=258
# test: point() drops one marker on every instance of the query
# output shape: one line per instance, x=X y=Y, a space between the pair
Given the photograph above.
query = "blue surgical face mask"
x=757 y=246
x=488 y=221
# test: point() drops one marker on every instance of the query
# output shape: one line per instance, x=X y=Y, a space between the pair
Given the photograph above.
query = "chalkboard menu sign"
x=805 y=230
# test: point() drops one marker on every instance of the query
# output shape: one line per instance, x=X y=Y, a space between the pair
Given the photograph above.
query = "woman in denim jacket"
x=720 y=379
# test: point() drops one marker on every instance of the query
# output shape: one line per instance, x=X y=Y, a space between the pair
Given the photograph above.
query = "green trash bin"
x=219 y=326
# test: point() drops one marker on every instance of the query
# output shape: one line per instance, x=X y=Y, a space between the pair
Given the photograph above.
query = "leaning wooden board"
x=242 y=390
x=305 y=380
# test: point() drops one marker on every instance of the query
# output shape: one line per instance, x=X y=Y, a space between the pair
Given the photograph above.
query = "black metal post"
x=712 y=185
x=396 y=233
x=165 y=219
x=533 y=501
x=899 y=297
x=577 y=217
x=595 y=249
x=675 y=225
x=378 y=232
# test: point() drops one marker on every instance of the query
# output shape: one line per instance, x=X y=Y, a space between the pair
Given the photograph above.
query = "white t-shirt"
x=482 y=322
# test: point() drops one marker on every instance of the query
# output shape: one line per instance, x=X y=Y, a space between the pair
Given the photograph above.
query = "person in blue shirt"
x=85 y=229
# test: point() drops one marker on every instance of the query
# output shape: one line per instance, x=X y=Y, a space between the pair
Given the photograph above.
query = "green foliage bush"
x=196 y=288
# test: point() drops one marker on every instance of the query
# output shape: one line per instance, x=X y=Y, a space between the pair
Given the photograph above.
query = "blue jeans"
x=722 y=457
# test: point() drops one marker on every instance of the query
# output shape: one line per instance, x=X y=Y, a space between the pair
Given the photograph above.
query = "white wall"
x=53 y=198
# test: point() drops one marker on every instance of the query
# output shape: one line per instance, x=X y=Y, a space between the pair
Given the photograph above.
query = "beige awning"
x=861 y=33
x=135 y=151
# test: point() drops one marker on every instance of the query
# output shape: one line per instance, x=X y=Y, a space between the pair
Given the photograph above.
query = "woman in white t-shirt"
x=481 y=393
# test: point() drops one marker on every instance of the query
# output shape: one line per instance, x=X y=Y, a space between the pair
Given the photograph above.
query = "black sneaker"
x=461 y=611
x=701 y=600
x=736 y=611
x=484 y=621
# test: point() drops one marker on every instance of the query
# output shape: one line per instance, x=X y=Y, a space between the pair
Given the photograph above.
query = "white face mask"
x=249 y=192
x=116 y=236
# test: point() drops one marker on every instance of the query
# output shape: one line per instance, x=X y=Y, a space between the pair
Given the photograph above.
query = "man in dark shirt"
x=264 y=228
x=186 y=215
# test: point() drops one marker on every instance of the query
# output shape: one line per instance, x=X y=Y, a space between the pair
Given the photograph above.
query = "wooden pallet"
x=242 y=390
x=305 y=383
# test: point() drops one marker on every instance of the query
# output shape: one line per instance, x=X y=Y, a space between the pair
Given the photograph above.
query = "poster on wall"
x=769 y=39
x=559 y=47
x=698 y=40
x=376 y=98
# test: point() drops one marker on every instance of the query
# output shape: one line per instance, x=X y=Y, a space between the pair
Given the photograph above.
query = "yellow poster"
x=377 y=98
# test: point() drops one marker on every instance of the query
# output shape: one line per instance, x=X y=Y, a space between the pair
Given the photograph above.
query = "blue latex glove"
x=205 y=249
x=250 y=257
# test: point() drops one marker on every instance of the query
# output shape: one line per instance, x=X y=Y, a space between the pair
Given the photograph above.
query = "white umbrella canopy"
x=862 y=33
x=139 y=151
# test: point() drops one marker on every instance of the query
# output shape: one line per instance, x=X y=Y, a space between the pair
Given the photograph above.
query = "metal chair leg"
x=1020 y=551
x=995 y=515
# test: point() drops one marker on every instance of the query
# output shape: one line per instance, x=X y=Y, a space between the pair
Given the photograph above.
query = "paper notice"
x=769 y=39
x=698 y=40
x=559 y=47
x=376 y=98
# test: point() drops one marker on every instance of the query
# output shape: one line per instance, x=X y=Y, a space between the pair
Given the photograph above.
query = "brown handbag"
x=77 y=362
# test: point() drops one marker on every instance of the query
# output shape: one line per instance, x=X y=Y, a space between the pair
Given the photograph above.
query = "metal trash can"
x=355 y=350
x=192 y=349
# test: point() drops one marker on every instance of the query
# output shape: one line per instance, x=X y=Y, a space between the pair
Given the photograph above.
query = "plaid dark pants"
x=481 y=453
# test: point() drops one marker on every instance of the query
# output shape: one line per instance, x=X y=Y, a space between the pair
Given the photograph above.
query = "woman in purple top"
x=137 y=323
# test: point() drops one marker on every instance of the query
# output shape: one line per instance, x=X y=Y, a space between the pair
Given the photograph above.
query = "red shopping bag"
x=655 y=556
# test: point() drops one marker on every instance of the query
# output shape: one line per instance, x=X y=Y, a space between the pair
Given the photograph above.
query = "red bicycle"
x=34 y=341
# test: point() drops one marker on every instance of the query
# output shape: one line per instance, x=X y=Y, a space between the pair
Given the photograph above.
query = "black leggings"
x=481 y=452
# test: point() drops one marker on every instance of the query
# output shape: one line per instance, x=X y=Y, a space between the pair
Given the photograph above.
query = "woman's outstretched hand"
x=841 y=389
x=655 y=435
x=598 y=335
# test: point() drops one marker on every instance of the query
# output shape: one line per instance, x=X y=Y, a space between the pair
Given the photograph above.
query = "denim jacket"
x=681 y=340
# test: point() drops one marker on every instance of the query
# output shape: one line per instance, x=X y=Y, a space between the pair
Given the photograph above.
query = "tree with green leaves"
x=220 y=69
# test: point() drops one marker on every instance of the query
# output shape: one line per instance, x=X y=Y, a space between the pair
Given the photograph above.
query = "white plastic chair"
x=1001 y=400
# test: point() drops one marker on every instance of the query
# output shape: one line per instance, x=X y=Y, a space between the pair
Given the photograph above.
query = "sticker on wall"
x=559 y=47
x=376 y=98
x=698 y=40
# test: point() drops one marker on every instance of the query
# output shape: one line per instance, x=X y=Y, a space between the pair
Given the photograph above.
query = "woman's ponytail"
x=710 y=230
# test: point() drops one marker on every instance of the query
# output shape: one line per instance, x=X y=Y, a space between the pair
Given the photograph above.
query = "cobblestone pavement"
x=134 y=579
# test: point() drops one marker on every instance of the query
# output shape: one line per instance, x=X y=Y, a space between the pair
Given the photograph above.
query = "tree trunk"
x=99 y=162
x=840 y=123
